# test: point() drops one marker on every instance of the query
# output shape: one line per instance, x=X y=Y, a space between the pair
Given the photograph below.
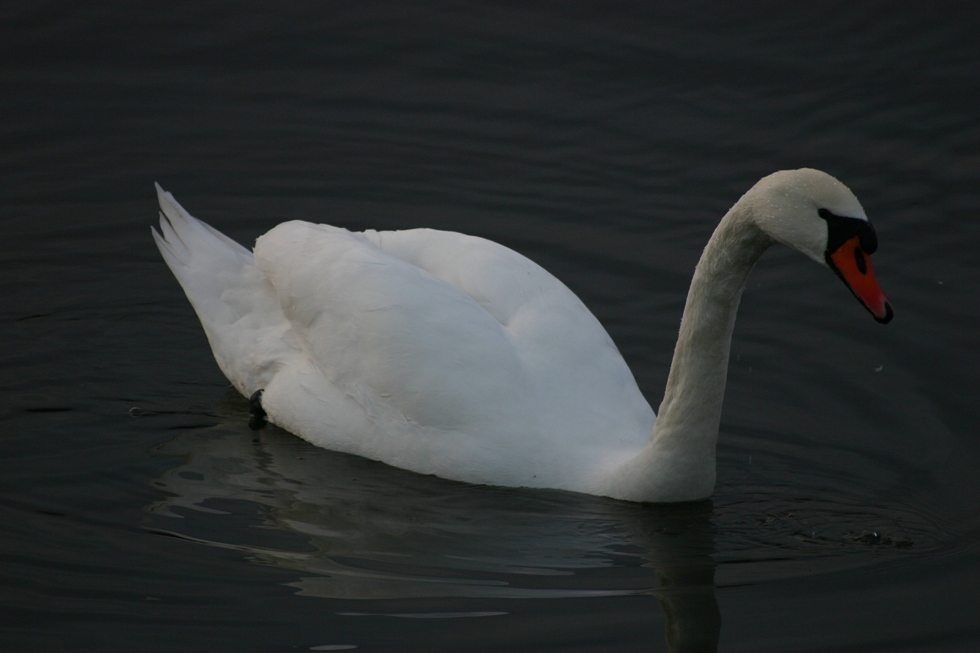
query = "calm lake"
x=602 y=140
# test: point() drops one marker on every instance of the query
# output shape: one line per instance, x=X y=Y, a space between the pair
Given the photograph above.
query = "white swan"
x=455 y=356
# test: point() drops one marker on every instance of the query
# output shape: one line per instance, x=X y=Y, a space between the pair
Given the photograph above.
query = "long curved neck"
x=691 y=408
x=678 y=463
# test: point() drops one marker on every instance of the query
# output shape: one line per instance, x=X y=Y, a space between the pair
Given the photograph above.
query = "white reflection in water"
x=370 y=531
x=355 y=529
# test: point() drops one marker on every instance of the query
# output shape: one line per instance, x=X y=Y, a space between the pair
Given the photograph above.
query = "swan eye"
x=840 y=229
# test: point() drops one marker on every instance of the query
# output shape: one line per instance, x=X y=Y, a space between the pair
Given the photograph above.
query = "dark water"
x=140 y=513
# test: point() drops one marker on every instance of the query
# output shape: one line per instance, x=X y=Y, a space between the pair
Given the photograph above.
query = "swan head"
x=814 y=213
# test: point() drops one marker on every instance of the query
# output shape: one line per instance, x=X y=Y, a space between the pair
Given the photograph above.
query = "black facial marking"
x=841 y=229
x=859 y=259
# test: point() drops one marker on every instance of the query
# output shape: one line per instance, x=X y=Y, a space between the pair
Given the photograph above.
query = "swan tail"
x=235 y=303
x=187 y=243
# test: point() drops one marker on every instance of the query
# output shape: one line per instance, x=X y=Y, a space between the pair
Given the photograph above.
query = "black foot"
x=257 y=419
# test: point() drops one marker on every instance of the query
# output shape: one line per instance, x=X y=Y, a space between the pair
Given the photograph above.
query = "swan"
x=452 y=355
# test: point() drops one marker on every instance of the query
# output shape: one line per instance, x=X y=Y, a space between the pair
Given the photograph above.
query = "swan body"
x=452 y=355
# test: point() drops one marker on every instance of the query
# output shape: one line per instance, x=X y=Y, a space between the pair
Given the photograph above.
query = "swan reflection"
x=356 y=529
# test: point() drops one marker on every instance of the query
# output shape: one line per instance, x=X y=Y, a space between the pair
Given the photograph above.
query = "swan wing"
x=431 y=351
x=581 y=386
x=446 y=354
x=389 y=332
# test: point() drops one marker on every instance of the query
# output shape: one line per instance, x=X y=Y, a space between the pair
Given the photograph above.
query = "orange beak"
x=854 y=266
